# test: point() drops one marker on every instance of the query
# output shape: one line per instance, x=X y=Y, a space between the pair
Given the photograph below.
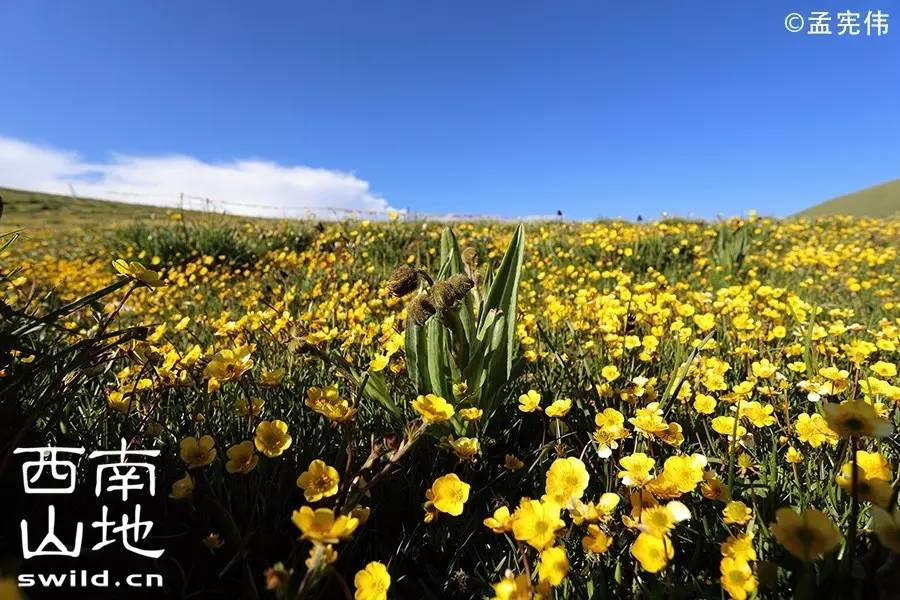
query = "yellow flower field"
x=559 y=410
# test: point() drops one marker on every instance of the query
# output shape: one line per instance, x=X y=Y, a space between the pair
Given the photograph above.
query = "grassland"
x=564 y=410
x=881 y=200
x=38 y=211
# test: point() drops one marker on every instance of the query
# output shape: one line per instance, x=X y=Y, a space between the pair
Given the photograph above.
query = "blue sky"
x=509 y=108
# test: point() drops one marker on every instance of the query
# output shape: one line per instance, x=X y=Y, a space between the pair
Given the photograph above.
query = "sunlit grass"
x=630 y=422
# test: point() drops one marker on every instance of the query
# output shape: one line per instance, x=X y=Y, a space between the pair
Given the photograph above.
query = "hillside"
x=36 y=210
x=881 y=200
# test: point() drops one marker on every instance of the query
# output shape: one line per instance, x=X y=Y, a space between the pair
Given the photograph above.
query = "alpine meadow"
x=413 y=409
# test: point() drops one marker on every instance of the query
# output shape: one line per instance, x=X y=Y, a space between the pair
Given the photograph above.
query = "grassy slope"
x=35 y=210
x=881 y=200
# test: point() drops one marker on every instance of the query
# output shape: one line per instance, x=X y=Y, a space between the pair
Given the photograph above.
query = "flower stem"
x=854 y=505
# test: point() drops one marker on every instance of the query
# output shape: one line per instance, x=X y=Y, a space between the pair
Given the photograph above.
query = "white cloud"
x=245 y=187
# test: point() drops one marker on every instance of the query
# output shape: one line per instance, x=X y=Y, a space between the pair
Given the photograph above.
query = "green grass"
x=882 y=200
x=36 y=210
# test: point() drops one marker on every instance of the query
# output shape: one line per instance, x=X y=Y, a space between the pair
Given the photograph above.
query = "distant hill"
x=881 y=200
x=36 y=210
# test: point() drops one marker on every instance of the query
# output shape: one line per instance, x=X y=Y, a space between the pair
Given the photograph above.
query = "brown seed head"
x=402 y=281
x=448 y=293
x=420 y=309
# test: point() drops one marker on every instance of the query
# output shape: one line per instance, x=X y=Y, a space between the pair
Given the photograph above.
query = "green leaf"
x=452 y=264
x=376 y=389
x=504 y=289
x=437 y=358
x=414 y=348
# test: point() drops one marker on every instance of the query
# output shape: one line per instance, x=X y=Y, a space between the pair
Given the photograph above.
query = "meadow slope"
x=562 y=410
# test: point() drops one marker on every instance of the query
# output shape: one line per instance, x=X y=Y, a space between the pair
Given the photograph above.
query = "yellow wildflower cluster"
x=710 y=404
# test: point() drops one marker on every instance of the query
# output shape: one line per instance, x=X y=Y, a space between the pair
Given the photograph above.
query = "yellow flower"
x=554 y=566
x=465 y=448
x=876 y=490
x=536 y=523
x=704 y=322
x=245 y=409
x=321 y=554
x=320 y=525
x=567 y=479
x=759 y=415
x=610 y=373
x=328 y=403
x=856 y=418
x=450 y=494
x=737 y=578
x=513 y=587
x=198 y=452
x=609 y=419
x=672 y=435
x=361 y=513
x=272 y=438
x=501 y=522
x=559 y=408
x=763 y=368
x=884 y=369
x=530 y=401
x=713 y=488
x=886 y=526
x=379 y=362
x=685 y=471
x=739 y=547
x=9 y=589
x=229 y=365
x=814 y=430
x=662 y=487
x=592 y=512
x=637 y=469
x=610 y=429
x=705 y=405
x=372 y=583
x=318 y=481
x=652 y=552
x=138 y=272
x=241 y=458
x=431 y=512
x=648 y=420
x=471 y=413
x=726 y=426
x=121 y=402
x=875 y=465
x=806 y=535
x=213 y=541
x=596 y=540
x=660 y=520
x=182 y=488
x=433 y=409
x=736 y=512
x=511 y=462
x=793 y=456
x=272 y=378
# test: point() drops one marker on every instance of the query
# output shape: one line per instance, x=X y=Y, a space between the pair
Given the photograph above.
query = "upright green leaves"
x=454 y=346
x=502 y=297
